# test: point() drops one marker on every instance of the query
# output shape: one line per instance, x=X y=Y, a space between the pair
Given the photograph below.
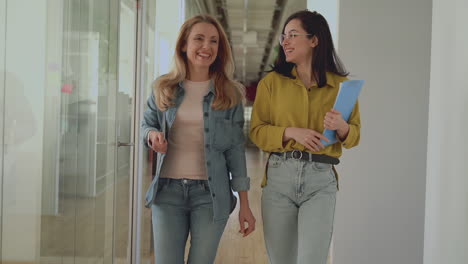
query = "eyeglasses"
x=290 y=35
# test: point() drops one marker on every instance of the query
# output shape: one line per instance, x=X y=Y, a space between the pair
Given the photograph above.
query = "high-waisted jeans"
x=298 y=206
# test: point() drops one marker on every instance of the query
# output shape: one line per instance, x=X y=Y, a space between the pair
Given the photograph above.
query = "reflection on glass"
x=66 y=197
x=77 y=221
x=85 y=202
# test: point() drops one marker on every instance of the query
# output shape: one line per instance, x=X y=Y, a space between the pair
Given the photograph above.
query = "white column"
x=446 y=229
x=380 y=208
x=169 y=18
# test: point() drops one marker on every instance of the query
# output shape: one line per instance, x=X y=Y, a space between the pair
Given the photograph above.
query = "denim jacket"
x=224 y=149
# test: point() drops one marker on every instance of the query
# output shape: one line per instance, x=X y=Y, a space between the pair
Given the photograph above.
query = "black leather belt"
x=303 y=155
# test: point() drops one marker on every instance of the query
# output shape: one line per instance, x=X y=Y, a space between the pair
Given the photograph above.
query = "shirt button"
x=207 y=145
x=209 y=178
x=206 y=114
x=207 y=130
x=213 y=195
x=208 y=163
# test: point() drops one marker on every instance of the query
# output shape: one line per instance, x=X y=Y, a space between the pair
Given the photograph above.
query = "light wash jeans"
x=298 y=207
x=180 y=207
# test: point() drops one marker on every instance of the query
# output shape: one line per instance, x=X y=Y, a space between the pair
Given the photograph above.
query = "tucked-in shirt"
x=185 y=157
x=283 y=102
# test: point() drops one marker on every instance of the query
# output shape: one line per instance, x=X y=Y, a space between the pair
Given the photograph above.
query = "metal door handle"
x=121 y=144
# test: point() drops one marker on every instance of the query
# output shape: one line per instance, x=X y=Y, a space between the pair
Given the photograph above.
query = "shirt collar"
x=331 y=81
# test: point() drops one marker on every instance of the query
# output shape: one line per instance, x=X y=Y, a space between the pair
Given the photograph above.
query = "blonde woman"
x=203 y=156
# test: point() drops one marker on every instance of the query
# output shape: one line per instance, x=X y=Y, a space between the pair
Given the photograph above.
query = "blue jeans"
x=298 y=206
x=180 y=207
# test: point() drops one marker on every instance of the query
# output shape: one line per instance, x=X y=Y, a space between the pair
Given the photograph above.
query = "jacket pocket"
x=223 y=134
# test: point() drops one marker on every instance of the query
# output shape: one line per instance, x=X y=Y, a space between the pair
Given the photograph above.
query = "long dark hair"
x=324 y=57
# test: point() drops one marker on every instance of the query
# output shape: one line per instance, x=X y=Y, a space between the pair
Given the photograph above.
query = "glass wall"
x=22 y=66
x=67 y=81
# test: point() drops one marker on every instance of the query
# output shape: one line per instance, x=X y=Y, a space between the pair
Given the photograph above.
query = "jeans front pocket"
x=276 y=166
x=274 y=161
x=319 y=166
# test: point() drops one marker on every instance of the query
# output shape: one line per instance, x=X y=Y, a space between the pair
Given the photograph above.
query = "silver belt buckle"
x=294 y=157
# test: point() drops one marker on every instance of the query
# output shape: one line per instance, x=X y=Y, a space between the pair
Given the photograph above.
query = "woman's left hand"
x=245 y=215
x=334 y=121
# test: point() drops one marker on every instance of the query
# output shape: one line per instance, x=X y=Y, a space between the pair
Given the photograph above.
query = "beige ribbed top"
x=185 y=156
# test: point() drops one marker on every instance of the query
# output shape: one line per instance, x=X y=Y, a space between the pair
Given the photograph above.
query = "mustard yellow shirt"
x=283 y=102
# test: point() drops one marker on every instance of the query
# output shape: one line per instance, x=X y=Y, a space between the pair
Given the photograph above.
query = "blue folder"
x=345 y=102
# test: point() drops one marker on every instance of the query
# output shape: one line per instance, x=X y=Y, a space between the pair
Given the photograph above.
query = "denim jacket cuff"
x=240 y=184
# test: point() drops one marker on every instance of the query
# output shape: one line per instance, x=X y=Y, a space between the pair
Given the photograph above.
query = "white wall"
x=329 y=10
x=446 y=231
x=380 y=209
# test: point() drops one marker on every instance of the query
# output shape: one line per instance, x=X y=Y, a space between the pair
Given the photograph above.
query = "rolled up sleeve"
x=354 y=134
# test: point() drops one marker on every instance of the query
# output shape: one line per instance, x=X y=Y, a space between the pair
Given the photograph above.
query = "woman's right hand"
x=157 y=141
x=309 y=138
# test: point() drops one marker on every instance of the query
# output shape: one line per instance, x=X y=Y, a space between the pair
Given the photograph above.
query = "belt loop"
x=310 y=157
x=163 y=181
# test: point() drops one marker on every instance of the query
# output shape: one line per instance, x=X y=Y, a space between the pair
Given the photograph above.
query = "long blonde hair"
x=228 y=91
